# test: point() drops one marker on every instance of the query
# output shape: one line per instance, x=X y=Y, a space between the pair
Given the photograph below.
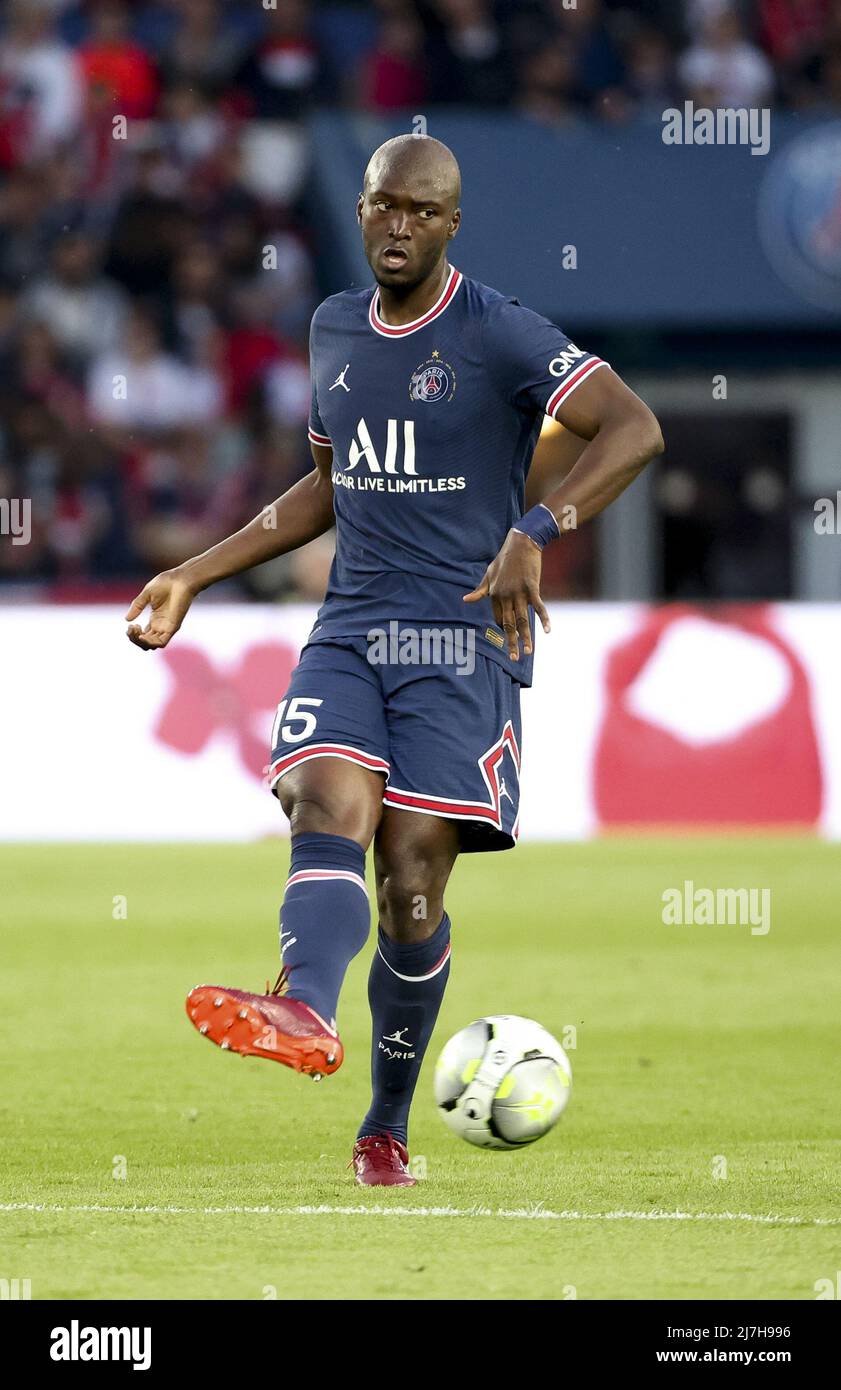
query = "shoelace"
x=281 y=984
x=381 y=1149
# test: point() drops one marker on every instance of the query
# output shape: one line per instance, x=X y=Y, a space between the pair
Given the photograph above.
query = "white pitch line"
x=536 y=1213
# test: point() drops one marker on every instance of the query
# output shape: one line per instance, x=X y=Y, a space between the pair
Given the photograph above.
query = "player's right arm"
x=298 y=516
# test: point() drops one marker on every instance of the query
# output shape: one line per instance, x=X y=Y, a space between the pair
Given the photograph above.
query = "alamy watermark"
x=16 y=519
x=828 y=1288
x=827 y=520
x=399 y=645
x=78 y=1342
x=726 y=125
x=718 y=907
x=15 y=1289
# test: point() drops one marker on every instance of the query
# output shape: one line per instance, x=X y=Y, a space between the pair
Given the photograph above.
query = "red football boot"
x=267 y=1025
x=380 y=1160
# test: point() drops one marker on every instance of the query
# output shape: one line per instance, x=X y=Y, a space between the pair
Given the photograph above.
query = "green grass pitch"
x=700 y=1050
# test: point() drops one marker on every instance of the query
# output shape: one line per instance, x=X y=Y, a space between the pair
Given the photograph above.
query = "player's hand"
x=169 y=596
x=512 y=582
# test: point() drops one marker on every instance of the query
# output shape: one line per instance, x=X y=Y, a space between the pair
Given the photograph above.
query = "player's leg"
x=328 y=768
x=334 y=807
x=454 y=751
x=413 y=856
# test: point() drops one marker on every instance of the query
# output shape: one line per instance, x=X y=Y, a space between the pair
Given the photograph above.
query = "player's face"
x=405 y=230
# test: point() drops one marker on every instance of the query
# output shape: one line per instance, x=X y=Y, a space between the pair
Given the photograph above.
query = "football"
x=502 y=1082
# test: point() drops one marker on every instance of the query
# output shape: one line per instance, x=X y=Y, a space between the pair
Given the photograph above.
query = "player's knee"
x=311 y=813
x=315 y=814
x=327 y=808
x=410 y=889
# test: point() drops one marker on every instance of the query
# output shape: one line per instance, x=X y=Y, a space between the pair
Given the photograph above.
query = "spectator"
x=84 y=309
x=79 y=511
x=548 y=90
x=23 y=202
x=288 y=392
x=597 y=60
x=813 y=81
x=73 y=197
x=470 y=63
x=140 y=388
x=40 y=83
x=150 y=226
x=394 y=74
x=724 y=69
x=281 y=75
x=205 y=51
x=699 y=14
x=197 y=302
x=193 y=128
x=182 y=499
x=120 y=77
x=651 y=79
x=38 y=374
x=791 y=28
x=253 y=346
x=286 y=280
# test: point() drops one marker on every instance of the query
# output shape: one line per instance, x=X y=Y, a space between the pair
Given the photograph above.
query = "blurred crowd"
x=157 y=275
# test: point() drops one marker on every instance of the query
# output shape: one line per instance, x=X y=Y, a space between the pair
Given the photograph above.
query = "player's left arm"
x=623 y=436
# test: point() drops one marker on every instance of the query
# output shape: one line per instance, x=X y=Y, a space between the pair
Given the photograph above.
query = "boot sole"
x=237 y=1026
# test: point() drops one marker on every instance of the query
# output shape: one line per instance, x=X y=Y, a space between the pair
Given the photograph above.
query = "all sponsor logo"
x=391 y=468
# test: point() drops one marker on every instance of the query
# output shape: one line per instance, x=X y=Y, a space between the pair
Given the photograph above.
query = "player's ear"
x=455 y=223
x=360 y=200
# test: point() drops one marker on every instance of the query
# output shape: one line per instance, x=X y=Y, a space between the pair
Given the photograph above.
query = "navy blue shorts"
x=448 y=744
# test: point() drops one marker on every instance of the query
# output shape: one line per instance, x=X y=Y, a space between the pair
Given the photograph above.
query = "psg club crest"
x=800 y=215
x=434 y=380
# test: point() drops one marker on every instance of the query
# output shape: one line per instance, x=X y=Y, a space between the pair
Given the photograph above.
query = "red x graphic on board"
x=206 y=700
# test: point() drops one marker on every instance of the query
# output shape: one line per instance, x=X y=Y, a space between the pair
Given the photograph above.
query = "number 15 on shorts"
x=296 y=723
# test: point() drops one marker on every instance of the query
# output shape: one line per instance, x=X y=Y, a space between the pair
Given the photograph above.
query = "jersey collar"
x=387 y=330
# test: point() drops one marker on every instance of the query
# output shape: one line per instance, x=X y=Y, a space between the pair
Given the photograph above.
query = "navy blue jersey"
x=433 y=426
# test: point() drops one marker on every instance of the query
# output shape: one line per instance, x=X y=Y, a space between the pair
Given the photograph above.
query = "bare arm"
x=299 y=516
x=623 y=436
x=558 y=451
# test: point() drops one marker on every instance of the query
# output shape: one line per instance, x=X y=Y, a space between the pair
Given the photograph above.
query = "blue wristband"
x=539 y=525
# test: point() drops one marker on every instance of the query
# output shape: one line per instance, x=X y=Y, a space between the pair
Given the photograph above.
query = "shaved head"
x=408 y=211
x=416 y=159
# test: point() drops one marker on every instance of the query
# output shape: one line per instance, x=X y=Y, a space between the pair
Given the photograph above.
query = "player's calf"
x=324 y=922
x=334 y=808
x=413 y=859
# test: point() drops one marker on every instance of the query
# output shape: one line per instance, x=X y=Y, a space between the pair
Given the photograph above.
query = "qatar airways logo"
x=390 y=468
x=561 y=364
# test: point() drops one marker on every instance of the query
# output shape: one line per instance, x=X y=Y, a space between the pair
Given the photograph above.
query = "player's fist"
x=512 y=583
x=168 y=596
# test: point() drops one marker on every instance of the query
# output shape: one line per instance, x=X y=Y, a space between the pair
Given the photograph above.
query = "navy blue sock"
x=325 y=918
x=405 y=989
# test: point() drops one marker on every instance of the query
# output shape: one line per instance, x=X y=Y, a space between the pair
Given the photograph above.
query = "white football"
x=502 y=1082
